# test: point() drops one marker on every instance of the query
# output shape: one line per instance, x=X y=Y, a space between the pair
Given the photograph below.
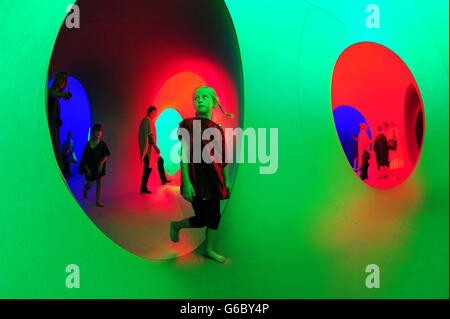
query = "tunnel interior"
x=128 y=58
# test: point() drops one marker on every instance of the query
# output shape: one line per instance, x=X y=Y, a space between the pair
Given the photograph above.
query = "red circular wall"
x=375 y=81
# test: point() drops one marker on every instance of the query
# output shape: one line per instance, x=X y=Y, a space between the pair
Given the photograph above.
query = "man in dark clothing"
x=381 y=152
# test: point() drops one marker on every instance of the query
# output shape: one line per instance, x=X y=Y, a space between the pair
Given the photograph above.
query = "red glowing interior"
x=374 y=80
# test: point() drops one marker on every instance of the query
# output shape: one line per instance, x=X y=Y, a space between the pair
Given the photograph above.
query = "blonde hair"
x=214 y=97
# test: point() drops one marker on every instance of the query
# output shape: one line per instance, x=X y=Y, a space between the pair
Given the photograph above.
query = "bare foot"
x=214 y=256
x=100 y=204
x=174 y=232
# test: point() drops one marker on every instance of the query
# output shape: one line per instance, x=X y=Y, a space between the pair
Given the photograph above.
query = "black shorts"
x=207 y=213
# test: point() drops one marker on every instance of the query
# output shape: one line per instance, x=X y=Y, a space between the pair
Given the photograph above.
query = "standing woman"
x=54 y=93
x=395 y=151
x=93 y=161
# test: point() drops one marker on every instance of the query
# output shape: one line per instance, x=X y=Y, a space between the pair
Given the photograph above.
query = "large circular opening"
x=75 y=115
x=378 y=114
x=129 y=57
